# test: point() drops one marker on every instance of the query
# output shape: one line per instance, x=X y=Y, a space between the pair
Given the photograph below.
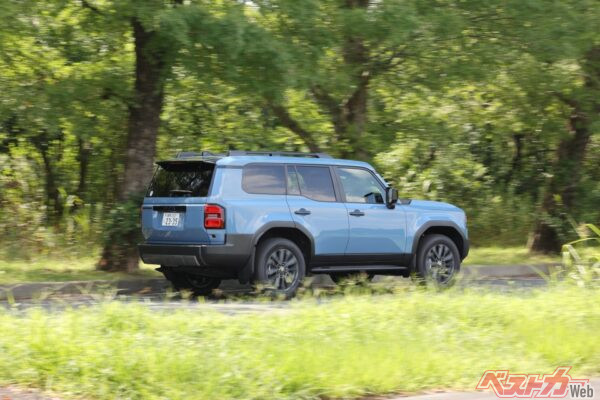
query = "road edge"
x=29 y=290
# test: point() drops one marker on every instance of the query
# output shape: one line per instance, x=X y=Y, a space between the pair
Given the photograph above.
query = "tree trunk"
x=120 y=251
x=564 y=183
x=54 y=205
x=348 y=117
x=515 y=165
x=355 y=120
x=83 y=157
x=286 y=120
x=569 y=158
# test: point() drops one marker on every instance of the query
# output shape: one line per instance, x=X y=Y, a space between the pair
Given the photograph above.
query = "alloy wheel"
x=440 y=263
x=282 y=269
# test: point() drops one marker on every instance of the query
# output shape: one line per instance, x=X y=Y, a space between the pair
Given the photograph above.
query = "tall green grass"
x=581 y=257
x=342 y=347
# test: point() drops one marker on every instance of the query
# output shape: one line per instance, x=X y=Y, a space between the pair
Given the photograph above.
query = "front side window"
x=360 y=186
x=315 y=183
x=264 y=179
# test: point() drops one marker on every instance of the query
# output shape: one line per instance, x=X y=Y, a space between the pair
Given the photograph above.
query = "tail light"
x=214 y=217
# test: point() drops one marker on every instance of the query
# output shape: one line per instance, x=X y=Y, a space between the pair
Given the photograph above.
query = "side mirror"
x=391 y=197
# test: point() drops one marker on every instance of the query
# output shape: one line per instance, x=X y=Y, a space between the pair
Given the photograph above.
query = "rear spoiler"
x=188 y=160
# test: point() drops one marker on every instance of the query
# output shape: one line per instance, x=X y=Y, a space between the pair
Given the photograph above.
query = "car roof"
x=243 y=160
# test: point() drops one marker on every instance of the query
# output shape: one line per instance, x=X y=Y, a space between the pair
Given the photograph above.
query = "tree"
x=153 y=59
x=564 y=33
x=338 y=51
x=584 y=112
x=160 y=30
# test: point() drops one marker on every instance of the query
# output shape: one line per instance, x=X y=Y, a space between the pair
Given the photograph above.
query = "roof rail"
x=277 y=153
x=192 y=154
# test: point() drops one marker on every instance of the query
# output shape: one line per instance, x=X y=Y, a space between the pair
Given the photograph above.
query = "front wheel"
x=280 y=266
x=438 y=260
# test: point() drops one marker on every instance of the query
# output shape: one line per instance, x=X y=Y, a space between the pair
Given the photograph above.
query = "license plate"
x=170 y=219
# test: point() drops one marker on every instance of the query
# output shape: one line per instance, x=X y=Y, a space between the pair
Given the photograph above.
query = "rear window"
x=185 y=179
x=316 y=183
x=264 y=179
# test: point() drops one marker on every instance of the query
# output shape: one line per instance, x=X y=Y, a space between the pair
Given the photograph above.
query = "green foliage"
x=582 y=257
x=123 y=221
x=465 y=102
x=368 y=345
x=26 y=232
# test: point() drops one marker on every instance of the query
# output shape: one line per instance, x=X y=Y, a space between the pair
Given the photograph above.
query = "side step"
x=347 y=268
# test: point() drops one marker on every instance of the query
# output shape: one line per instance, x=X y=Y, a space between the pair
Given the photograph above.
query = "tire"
x=199 y=285
x=340 y=276
x=438 y=260
x=279 y=267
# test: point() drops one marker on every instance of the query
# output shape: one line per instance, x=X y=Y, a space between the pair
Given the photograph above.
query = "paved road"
x=234 y=298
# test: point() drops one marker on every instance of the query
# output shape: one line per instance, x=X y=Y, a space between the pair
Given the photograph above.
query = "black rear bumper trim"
x=231 y=256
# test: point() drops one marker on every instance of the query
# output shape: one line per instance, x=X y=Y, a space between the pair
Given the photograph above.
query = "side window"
x=292 y=181
x=316 y=183
x=360 y=186
x=263 y=179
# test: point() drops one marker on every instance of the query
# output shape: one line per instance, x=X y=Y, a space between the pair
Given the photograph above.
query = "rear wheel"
x=438 y=260
x=199 y=285
x=280 y=266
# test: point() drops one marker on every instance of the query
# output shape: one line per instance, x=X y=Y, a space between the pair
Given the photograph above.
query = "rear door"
x=375 y=230
x=314 y=205
x=173 y=209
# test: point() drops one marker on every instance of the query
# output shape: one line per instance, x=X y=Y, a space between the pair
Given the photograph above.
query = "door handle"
x=357 y=213
x=302 y=211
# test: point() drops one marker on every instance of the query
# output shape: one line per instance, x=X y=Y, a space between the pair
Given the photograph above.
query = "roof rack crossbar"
x=277 y=153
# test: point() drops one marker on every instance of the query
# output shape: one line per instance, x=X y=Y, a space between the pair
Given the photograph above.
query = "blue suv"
x=274 y=217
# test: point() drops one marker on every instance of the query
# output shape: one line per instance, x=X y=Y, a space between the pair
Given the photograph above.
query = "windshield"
x=181 y=179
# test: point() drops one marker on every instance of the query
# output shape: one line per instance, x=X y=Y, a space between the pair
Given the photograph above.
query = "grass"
x=507 y=256
x=343 y=347
x=61 y=270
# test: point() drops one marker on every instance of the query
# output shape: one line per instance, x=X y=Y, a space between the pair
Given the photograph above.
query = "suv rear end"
x=184 y=231
x=175 y=204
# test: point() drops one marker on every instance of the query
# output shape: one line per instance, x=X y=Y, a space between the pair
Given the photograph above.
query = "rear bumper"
x=232 y=255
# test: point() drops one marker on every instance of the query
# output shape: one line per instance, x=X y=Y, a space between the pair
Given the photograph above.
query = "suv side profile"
x=275 y=217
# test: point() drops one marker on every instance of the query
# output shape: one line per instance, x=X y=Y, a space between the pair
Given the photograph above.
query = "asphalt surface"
x=233 y=298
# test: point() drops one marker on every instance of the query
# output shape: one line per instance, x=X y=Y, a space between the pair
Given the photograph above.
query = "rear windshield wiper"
x=180 y=192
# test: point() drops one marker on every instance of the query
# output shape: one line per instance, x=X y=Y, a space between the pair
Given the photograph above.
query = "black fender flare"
x=446 y=224
x=284 y=224
x=247 y=271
